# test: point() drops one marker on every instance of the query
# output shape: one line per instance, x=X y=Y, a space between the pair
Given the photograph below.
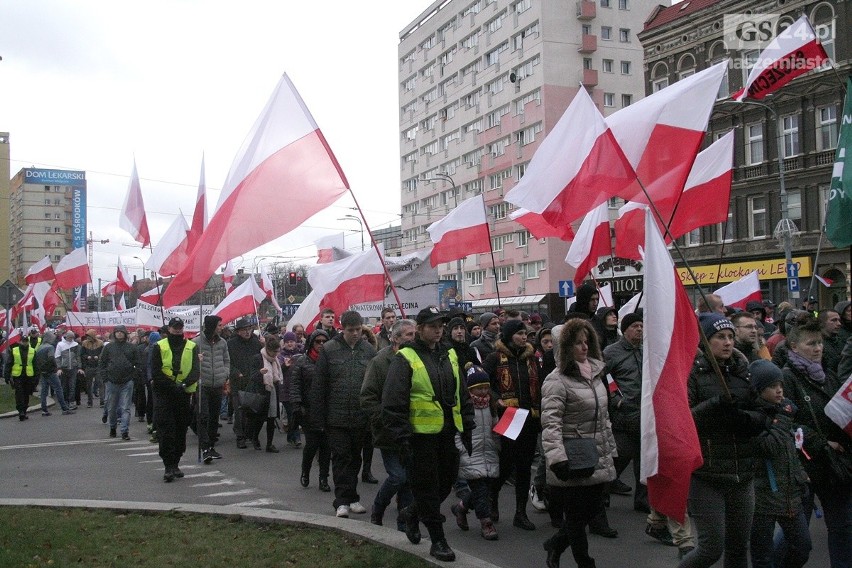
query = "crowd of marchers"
x=428 y=392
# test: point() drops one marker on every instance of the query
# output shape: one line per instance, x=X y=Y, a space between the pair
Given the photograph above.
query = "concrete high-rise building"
x=47 y=216
x=481 y=83
x=5 y=245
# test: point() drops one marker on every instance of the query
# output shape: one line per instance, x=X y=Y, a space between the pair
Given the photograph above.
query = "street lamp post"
x=441 y=176
x=360 y=225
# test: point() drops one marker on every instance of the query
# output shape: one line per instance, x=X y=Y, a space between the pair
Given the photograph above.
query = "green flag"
x=838 y=219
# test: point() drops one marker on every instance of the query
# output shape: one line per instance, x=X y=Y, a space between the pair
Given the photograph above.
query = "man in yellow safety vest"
x=20 y=372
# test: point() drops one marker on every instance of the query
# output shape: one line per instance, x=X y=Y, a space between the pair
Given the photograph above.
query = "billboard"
x=55 y=177
x=75 y=181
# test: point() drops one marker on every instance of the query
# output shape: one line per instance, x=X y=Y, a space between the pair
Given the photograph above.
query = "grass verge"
x=7 y=398
x=37 y=537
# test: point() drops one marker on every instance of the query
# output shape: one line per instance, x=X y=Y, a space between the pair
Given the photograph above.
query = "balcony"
x=589 y=44
x=589 y=77
x=586 y=10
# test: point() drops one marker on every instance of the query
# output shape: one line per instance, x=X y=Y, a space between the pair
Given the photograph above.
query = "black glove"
x=406 y=457
x=751 y=421
x=562 y=470
x=710 y=405
x=179 y=388
x=467 y=441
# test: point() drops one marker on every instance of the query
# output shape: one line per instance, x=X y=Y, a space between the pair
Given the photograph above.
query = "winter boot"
x=488 y=530
x=460 y=511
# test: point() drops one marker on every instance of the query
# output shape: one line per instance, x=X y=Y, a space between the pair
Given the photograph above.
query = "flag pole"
x=816 y=263
x=493 y=262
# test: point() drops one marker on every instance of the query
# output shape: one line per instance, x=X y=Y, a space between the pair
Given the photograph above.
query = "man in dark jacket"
x=20 y=372
x=484 y=346
x=174 y=370
x=424 y=404
x=747 y=330
x=340 y=370
x=118 y=367
x=215 y=366
x=759 y=312
x=588 y=298
x=45 y=368
x=384 y=335
x=371 y=403
x=241 y=349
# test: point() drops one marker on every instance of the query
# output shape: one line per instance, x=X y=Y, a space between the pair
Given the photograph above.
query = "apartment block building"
x=481 y=83
x=5 y=157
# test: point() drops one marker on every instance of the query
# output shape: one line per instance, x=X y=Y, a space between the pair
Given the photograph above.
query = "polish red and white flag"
x=464 y=231
x=352 y=280
x=629 y=230
x=171 y=253
x=286 y=169
x=4 y=319
x=199 y=214
x=827 y=282
x=326 y=245
x=242 y=301
x=792 y=53
x=740 y=292
x=593 y=241
x=45 y=294
x=120 y=284
x=512 y=422
x=670 y=450
x=13 y=338
x=539 y=227
x=578 y=166
x=228 y=274
x=132 y=218
x=72 y=270
x=27 y=302
x=152 y=296
x=268 y=287
x=41 y=271
x=839 y=407
x=308 y=313
x=77 y=302
x=120 y=304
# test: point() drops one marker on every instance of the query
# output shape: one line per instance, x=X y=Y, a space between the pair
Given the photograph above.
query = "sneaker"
x=150 y=428
x=357 y=508
x=206 y=457
x=618 y=487
x=45 y=413
x=661 y=533
x=67 y=411
x=112 y=433
x=72 y=407
x=342 y=512
x=125 y=436
x=214 y=454
x=538 y=504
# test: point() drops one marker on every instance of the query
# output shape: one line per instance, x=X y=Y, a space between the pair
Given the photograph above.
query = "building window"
x=794 y=206
x=624 y=35
x=626 y=100
x=625 y=68
x=623 y=5
x=826 y=126
x=57 y=243
x=749 y=60
x=758 y=221
x=499 y=211
x=47 y=230
x=523 y=238
x=605 y=4
x=587 y=29
x=609 y=99
x=754 y=143
x=47 y=243
x=476 y=278
x=47 y=215
x=47 y=188
x=530 y=270
x=724 y=89
x=587 y=63
x=824 y=191
x=660 y=84
x=692 y=238
x=522 y=6
x=503 y=273
x=607 y=65
x=520 y=170
x=606 y=33
x=790 y=133
x=47 y=201
x=57 y=229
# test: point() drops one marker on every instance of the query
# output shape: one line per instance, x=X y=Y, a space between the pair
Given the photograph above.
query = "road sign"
x=793 y=284
x=566 y=288
x=792 y=270
x=289 y=310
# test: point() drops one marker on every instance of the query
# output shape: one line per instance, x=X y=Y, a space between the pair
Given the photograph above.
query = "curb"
x=382 y=536
x=33 y=408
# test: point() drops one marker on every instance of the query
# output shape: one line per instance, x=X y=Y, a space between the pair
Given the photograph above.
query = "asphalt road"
x=72 y=457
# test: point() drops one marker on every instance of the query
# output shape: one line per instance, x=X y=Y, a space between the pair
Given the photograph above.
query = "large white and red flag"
x=41 y=271
x=593 y=241
x=122 y=282
x=629 y=228
x=352 y=280
x=241 y=302
x=839 y=407
x=793 y=52
x=120 y=304
x=152 y=296
x=199 y=214
x=77 y=302
x=308 y=312
x=464 y=231
x=326 y=245
x=27 y=302
x=670 y=450
x=740 y=292
x=4 y=319
x=662 y=133
x=46 y=295
x=284 y=168
x=228 y=274
x=132 y=218
x=170 y=254
x=578 y=166
x=539 y=227
x=13 y=338
x=72 y=270
x=268 y=288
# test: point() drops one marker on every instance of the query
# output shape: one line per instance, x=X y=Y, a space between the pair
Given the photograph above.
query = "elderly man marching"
x=424 y=404
x=175 y=372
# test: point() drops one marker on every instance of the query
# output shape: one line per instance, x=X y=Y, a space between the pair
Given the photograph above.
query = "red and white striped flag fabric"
x=578 y=166
x=839 y=407
x=827 y=282
x=73 y=270
x=308 y=312
x=512 y=422
x=77 y=302
x=13 y=338
x=611 y=385
x=47 y=298
x=670 y=450
x=152 y=296
x=464 y=231
x=132 y=218
x=326 y=246
x=241 y=302
x=740 y=292
x=199 y=214
x=170 y=254
x=268 y=287
x=286 y=168
x=120 y=284
x=41 y=271
x=120 y=304
x=592 y=242
x=4 y=319
x=794 y=52
x=629 y=230
x=228 y=274
x=27 y=302
x=662 y=133
x=352 y=280
x=539 y=227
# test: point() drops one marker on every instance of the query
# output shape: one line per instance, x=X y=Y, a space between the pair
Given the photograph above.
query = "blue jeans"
x=118 y=404
x=722 y=514
x=396 y=482
x=796 y=534
x=52 y=381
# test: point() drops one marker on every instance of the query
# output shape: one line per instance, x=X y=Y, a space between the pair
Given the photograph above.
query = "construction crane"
x=90 y=242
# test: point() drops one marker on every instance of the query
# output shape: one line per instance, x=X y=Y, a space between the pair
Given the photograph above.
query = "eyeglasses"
x=320 y=341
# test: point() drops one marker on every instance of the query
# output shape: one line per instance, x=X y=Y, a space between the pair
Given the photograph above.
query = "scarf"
x=481 y=401
x=813 y=369
x=313 y=354
x=270 y=362
x=488 y=336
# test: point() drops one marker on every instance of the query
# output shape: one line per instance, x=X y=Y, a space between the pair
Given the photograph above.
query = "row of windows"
x=606 y=33
x=522 y=137
x=526 y=270
x=825 y=126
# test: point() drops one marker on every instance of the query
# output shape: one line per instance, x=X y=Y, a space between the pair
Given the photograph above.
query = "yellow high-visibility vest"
x=425 y=412
x=185 y=362
x=18 y=364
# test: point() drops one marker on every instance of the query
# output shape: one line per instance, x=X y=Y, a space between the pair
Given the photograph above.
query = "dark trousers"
x=479 y=497
x=434 y=469
x=255 y=426
x=171 y=418
x=629 y=449
x=516 y=456
x=240 y=421
x=346 y=445
x=580 y=504
x=208 y=417
x=23 y=389
x=316 y=444
x=140 y=398
x=796 y=535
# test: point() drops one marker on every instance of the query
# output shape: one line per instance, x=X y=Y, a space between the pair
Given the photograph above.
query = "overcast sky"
x=88 y=84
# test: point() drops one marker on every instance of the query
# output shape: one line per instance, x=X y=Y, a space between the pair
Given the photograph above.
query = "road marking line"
x=220 y=482
x=216 y=473
x=55 y=444
x=133 y=448
x=255 y=503
x=152 y=461
x=232 y=493
x=144 y=454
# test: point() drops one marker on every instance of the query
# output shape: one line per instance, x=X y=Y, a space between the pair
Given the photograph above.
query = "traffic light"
x=291 y=280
